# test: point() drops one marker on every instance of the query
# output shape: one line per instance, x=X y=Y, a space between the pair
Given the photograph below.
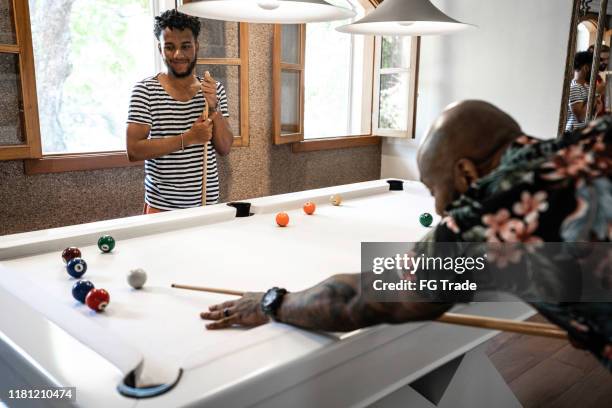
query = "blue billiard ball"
x=80 y=290
x=76 y=267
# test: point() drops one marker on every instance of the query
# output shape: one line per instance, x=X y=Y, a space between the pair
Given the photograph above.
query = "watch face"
x=269 y=298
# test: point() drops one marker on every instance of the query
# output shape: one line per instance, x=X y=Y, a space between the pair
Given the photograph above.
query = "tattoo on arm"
x=340 y=304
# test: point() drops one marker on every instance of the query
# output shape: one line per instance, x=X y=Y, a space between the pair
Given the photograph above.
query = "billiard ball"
x=336 y=199
x=70 y=253
x=80 y=290
x=106 y=243
x=137 y=278
x=425 y=219
x=309 y=208
x=76 y=267
x=282 y=219
x=97 y=299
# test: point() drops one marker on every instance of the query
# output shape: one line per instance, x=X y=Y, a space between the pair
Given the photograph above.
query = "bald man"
x=491 y=183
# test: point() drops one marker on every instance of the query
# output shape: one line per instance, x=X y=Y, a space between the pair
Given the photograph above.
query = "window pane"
x=11 y=132
x=229 y=76
x=328 y=91
x=7 y=26
x=85 y=73
x=394 y=101
x=396 y=52
x=290 y=44
x=219 y=39
x=290 y=102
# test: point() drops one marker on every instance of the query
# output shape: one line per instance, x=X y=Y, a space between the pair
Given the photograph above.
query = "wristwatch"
x=271 y=301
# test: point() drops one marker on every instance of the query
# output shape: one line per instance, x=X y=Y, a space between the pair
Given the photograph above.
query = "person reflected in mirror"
x=600 y=87
x=579 y=92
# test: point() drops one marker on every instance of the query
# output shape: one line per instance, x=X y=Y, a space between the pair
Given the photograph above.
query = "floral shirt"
x=548 y=191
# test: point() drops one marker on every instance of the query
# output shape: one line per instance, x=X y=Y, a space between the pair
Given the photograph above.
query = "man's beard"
x=188 y=72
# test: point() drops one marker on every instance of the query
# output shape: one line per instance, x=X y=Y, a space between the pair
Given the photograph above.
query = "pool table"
x=150 y=348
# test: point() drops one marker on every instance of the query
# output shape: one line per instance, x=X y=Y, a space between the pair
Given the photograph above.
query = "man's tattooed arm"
x=342 y=303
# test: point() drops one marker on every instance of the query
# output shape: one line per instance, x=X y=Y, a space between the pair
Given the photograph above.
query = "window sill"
x=313 y=145
x=59 y=163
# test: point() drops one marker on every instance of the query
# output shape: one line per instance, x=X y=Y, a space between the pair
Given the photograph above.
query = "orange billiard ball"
x=282 y=219
x=309 y=208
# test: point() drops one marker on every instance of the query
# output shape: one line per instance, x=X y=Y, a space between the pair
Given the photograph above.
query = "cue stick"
x=491 y=323
x=205 y=114
x=211 y=290
x=603 y=7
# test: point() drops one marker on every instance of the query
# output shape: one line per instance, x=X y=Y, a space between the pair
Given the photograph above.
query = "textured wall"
x=35 y=202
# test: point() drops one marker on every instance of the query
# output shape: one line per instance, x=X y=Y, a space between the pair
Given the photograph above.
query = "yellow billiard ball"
x=336 y=199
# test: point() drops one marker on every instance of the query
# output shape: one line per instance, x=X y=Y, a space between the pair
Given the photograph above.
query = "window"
x=338 y=68
x=395 y=85
x=19 y=137
x=335 y=90
x=224 y=53
x=87 y=57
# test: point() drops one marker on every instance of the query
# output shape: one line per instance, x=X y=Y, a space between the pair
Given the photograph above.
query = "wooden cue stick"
x=211 y=290
x=205 y=115
x=491 y=323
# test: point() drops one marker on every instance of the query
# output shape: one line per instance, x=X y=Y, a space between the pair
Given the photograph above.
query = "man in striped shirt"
x=579 y=92
x=166 y=127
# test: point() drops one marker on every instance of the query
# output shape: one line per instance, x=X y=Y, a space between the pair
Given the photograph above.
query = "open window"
x=87 y=56
x=334 y=90
x=19 y=129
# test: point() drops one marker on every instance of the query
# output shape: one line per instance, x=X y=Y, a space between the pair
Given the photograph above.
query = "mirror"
x=580 y=103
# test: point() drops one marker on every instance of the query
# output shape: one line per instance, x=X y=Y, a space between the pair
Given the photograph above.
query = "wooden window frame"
x=241 y=140
x=29 y=111
x=301 y=145
x=37 y=163
x=277 y=69
x=413 y=72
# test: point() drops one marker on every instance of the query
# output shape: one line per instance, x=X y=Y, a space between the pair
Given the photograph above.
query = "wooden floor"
x=550 y=373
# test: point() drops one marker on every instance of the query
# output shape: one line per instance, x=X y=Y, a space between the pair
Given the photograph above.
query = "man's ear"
x=159 y=47
x=464 y=174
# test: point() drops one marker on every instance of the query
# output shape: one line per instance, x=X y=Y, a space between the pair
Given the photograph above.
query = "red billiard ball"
x=309 y=208
x=70 y=253
x=282 y=219
x=97 y=299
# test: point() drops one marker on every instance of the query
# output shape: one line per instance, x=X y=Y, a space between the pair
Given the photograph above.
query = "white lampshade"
x=267 y=11
x=405 y=17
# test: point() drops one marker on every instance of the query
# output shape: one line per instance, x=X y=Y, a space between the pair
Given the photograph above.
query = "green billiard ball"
x=426 y=219
x=106 y=243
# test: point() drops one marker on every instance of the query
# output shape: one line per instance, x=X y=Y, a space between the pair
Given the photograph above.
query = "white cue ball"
x=137 y=278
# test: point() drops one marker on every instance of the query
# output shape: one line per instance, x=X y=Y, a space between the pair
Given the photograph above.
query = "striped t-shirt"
x=174 y=181
x=578 y=93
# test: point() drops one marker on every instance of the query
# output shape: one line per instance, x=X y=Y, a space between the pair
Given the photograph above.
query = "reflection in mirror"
x=580 y=65
x=11 y=123
x=7 y=23
x=229 y=77
x=290 y=108
x=289 y=39
x=219 y=39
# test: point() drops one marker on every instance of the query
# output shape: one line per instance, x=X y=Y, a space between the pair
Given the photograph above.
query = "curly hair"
x=582 y=58
x=175 y=19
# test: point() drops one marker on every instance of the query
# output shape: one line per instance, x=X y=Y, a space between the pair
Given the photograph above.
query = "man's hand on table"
x=245 y=311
